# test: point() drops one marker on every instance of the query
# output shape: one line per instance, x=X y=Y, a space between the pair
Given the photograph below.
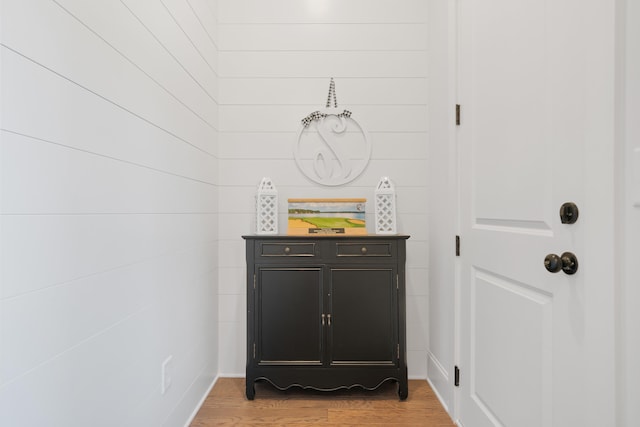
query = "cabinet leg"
x=251 y=390
x=403 y=390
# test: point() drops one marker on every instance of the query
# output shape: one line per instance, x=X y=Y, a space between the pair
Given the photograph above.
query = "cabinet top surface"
x=326 y=237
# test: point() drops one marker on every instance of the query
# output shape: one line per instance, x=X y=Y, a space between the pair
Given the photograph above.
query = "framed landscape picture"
x=327 y=216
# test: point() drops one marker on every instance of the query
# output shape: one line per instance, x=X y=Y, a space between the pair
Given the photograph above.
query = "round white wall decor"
x=332 y=148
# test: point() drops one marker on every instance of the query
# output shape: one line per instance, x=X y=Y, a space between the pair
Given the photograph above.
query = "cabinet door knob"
x=287 y=250
x=363 y=250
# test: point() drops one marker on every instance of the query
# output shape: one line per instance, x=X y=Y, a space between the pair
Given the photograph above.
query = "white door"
x=536 y=94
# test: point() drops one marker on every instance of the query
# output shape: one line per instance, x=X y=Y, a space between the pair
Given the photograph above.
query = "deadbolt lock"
x=569 y=213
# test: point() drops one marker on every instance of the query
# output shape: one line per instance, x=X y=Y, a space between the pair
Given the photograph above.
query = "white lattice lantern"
x=385 y=207
x=266 y=208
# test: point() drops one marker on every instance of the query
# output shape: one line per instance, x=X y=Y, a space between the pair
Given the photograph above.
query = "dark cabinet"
x=326 y=312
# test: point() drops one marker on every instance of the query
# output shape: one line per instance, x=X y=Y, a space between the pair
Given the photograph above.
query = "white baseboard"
x=439 y=380
x=417 y=377
x=222 y=375
x=201 y=402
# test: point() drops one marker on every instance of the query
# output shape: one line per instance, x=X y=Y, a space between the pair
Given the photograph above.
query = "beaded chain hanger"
x=317 y=115
x=332 y=94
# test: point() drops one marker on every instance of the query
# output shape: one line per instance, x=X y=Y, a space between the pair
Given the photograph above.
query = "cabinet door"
x=363 y=328
x=288 y=316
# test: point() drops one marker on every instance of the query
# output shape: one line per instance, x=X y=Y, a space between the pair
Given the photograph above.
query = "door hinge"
x=457 y=245
x=398 y=351
x=457 y=114
x=254 y=281
x=397 y=282
x=456 y=377
x=254 y=350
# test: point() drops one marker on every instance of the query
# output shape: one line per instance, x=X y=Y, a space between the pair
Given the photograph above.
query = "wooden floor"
x=227 y=405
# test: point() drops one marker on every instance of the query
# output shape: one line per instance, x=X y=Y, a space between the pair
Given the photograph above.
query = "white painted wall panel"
x=416 y=281
x=157 y=19
x=232 y=281
x=96 y=66
x=275 y=61
x=230 y=306
x=81 y=182
x=109 y=225
x=355 y=64
x=257 y=145
x=306 y=91
x=233 y=358
x=206 y=12
x=418 y=254
x=66 y=392
x=32 y=106
x=379 y=118
x=231 y=255
x=411 y=224
x=415 y=359
x=296 y=11
x=443 y=194
x=183 y=15
x=139 y=46
x=238 y=225
x=101 y=300
x=279 y=145
x=248 y=172
x=41 y=251
x=301 y=37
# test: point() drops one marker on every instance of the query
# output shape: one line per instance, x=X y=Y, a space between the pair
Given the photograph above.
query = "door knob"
x=566 y=262
x=569 y=263
x=552 y=263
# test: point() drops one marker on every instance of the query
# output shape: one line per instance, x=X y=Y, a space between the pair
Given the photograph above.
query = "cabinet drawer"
x=284 y=249
x=365 y=249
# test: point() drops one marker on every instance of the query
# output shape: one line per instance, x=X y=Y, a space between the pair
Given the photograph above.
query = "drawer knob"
x=363 y=250
x=287 y=250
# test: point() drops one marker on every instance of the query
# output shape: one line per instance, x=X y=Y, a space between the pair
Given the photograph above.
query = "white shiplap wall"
x=443 y=198
x=276 y=59
x=109 y=225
